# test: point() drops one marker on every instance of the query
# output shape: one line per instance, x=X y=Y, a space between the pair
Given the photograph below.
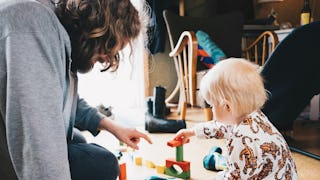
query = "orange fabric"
x=203 y=53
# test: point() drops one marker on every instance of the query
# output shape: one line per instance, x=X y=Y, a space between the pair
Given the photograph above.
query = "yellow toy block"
x=138 y=161
x=160 y=169
x=150 y=164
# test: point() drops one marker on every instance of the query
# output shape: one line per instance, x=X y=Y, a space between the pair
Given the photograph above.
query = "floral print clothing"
x=256 y=149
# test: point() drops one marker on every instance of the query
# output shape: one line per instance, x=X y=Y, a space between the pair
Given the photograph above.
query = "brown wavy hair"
x=98 y=30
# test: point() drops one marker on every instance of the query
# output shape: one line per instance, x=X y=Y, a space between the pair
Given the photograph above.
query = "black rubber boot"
x=155 y=121
x=159 y=105
x=157 y=125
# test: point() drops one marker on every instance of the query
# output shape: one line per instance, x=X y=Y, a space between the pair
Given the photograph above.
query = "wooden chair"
x=225 y=30
x=185 y=59
x=258 y=51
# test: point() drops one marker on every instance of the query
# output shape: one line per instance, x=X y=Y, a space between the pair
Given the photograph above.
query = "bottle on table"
x=305 y=15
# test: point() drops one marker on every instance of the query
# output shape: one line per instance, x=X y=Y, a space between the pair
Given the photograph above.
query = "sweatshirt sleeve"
x=35 y=128
x=212 y=129
x=87 y=117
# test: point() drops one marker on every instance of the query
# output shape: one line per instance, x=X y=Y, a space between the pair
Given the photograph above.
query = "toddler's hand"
x=184 y=135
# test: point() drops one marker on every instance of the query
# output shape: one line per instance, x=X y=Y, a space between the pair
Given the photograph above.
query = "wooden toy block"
x=150 y=164
x=123 y=171
x=179 y=153
x=122 y=147
x=174 y=143
x=173 y=172
x=138 y=161
x=184 y=165
x=179 y=148
x=160 y=169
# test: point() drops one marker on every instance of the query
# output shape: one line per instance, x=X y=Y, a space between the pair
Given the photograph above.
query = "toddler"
x=256 y=149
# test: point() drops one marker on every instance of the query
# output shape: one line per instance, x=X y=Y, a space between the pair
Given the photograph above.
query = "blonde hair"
x=236 y=81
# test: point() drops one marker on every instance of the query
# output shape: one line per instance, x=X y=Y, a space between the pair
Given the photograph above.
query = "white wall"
x=124 y=89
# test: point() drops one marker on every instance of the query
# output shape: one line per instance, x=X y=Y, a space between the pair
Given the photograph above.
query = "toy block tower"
x=184 y=165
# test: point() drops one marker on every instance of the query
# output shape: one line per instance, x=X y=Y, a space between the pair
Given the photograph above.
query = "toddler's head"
x=234 y=82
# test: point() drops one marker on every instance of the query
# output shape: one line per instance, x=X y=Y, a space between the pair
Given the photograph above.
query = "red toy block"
x=174 y=143
x=123 y=171
x=184 y=165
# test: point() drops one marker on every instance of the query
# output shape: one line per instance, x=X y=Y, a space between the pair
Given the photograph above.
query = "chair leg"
x=183 y=110
x=207 y=113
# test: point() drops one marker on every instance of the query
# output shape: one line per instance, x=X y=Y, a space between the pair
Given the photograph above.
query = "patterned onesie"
x=256 y=149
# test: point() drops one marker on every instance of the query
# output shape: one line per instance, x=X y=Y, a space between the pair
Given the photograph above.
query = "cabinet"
x=282 y=33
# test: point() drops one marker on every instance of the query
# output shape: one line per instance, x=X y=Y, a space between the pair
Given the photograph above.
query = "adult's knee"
x=108 y=163
x=91 y=161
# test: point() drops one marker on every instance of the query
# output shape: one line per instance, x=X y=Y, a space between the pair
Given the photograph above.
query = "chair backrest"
x=225 y=30
x=258 y=51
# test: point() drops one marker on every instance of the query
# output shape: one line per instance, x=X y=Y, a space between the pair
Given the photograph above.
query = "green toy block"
x=173 y=172
x=179 y=153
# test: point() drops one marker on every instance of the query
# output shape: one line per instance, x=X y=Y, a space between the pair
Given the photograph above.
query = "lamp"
x=272 y=17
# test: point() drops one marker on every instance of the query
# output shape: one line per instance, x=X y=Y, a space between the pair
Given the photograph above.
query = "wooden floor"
x=306 y=135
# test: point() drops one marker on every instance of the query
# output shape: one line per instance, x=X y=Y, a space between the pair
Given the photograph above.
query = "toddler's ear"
x=227 y=105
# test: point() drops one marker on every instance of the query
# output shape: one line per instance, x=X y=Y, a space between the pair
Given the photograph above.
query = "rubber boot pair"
x=155 y=121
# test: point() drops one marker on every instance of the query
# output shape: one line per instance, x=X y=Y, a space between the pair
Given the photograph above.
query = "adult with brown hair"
x=43 y=45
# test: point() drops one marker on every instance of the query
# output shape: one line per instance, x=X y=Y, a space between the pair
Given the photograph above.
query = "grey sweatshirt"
x=39 y=103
